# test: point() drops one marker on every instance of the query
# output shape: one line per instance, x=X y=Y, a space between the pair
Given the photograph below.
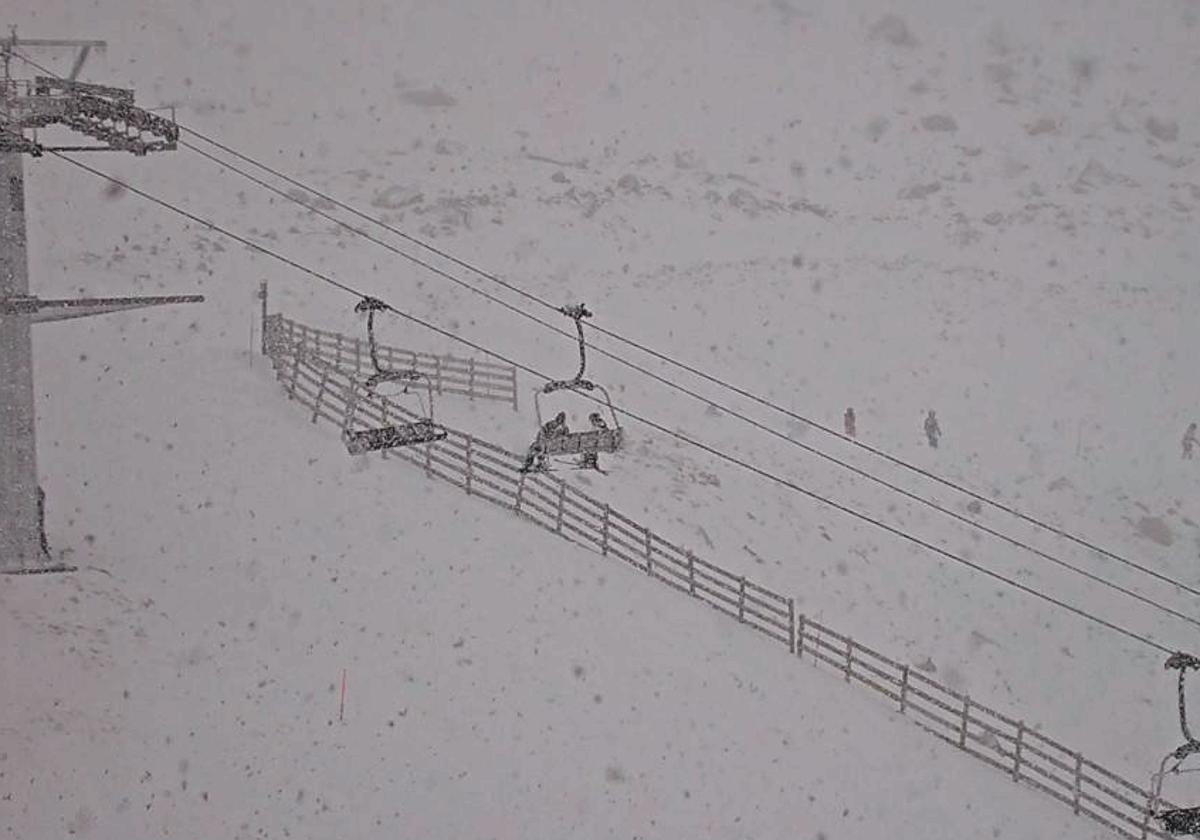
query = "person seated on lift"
x=555 y=428
x=591 y=460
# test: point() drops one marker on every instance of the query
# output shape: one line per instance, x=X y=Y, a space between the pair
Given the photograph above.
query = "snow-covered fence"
x=473 y=378
x=1023 y=753
x=308 y=374
x=493 y=473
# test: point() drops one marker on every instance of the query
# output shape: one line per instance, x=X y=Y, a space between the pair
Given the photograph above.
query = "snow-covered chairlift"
x=1180 y=822
x=553 y=439
x=420 y=431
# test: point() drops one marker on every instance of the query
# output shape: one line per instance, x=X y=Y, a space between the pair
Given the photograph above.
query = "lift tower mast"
x=108 y=117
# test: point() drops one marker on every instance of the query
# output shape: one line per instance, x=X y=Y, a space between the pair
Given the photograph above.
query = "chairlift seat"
x=590 y=442
x=1181 y=821
x=390 y=437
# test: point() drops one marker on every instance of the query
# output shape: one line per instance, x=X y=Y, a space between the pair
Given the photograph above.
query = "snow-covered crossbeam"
x=490 y=472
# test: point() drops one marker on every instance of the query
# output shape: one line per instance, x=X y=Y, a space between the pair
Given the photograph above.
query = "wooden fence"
x=472 y=378
x=489 y=472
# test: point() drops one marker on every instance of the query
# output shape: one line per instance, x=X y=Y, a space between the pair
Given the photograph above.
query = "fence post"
x=742 y=598
x=791 y=625
x=383 y=411
x=358 y=357
x=268 y=337
x=520 y=490
x=1149 y=812
x=351 y=397
x=604 y=532
x=691 y=573
x=471 y=378
x=962 y=733
x=262 y=296
x=302 y=344
x=562 y=501
x=1078 y=779
x=437 y=374
x=468 y=482
x=320 y=394
x=295 y=372
x=903 y=688
x=1016 y=771
x=649 y=554
x=514 y=388
x=849 y=657
x=338 y=357
x=800 y=637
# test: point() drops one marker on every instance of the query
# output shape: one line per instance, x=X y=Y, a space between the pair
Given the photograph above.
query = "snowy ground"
x=986 y=211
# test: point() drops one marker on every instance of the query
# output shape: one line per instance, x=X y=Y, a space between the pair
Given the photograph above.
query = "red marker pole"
x=342 y=705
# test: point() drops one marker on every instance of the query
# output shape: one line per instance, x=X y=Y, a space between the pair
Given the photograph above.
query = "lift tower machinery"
x=109 y=121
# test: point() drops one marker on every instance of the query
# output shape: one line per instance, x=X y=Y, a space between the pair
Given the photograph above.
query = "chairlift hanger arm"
x=1183 y=662
x=372 y=305
x=577 y=313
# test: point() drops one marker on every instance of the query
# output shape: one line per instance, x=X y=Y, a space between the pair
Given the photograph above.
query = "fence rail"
x=472 y=378
x=308 y=375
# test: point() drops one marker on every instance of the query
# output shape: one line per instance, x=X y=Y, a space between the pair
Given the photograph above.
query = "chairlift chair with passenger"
x=554 y=439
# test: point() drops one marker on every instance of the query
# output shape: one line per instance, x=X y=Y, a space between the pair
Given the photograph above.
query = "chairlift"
x=1178 y=822
x=420 y=431
x=554 y=439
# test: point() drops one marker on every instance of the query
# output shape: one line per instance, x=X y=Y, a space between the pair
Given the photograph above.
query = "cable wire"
x=630 y=414
x=925 y=473
x=691 y=369
x=709 y=402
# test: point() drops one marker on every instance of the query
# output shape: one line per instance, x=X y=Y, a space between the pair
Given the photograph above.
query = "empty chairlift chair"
x=554 y=439
x=390 y=436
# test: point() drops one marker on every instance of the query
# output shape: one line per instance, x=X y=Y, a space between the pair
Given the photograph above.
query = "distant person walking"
x=848 y=421
x=933 y=432
x=1189 y=443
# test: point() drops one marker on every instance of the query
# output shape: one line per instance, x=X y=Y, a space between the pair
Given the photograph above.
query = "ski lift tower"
x=109 y=119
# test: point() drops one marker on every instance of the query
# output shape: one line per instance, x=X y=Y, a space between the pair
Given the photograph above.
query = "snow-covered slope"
x=984 y=210
x=500 y=683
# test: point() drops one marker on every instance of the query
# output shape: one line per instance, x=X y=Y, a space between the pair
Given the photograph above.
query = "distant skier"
x=932 y=430
x=555 y=428
x=1189 y=442
x=848 y=421
x=591 y=460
